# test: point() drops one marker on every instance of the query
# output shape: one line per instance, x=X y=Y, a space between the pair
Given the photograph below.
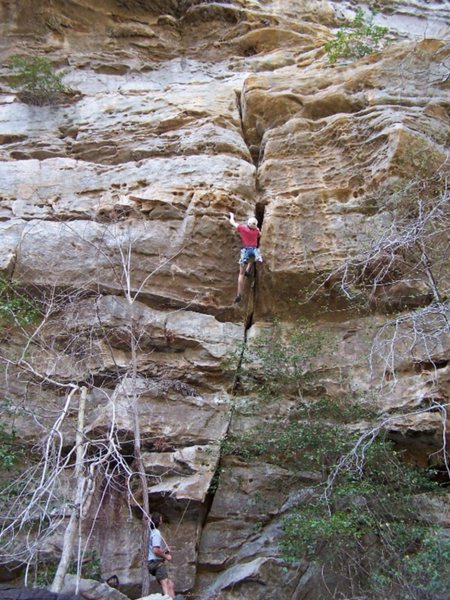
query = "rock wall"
x=114 y=207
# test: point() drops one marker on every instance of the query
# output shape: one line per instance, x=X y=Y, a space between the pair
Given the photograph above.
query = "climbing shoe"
x=237 y=299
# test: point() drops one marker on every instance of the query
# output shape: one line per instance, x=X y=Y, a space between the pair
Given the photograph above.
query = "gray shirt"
x=155 y=539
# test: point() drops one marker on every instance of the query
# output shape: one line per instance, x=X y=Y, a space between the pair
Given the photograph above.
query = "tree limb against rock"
x=58 y=354
x=404 y=269
x=354 y=460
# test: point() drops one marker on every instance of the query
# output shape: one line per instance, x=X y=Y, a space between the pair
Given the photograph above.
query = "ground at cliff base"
x=162 y=597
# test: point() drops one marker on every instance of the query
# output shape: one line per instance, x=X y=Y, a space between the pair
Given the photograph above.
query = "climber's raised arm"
x=232 y=220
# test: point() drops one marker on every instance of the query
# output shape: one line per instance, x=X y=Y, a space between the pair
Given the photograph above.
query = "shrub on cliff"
x=275 y=363
x=10 y=450
x=358 y=39
x=16 y=306
x=369 y=531
x=362 y=521
x=37 y=81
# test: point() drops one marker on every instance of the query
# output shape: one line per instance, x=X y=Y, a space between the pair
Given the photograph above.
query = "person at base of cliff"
x=158 y=553
x=249 y=252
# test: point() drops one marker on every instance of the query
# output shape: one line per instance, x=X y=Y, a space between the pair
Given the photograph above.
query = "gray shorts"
x=158 y=569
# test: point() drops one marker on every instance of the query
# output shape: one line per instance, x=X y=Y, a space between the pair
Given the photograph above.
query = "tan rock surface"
x=306 y=163
x=165 y=414
x=185 y=474
x=189 y=110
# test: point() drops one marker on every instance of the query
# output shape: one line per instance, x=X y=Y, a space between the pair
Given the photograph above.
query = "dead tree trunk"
x=71 y=531
x=140 y=464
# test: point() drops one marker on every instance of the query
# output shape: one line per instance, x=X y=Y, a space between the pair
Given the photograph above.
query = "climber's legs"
x=167 y=587
x=245 y=270
x=240 y=288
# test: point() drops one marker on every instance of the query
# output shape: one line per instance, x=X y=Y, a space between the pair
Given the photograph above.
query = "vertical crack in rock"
x=259 y=214
x=254 y=155
x=260 y=208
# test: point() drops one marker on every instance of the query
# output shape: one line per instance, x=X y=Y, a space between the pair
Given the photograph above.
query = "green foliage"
x=425 y=570
x=10 y=451
x=214 y=484
x=16 y=306
x=90 y=569
x=312 y=528
x=370 y=519
x=343 y=409
x=366 y=529
x=414 y=567
x=297 y=445
x=273 y=364
x=37 y=80
x=45 y=574
x=276 y=365
x=359 y=39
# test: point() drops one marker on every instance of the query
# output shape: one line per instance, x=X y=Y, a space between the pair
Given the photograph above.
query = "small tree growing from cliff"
x=37 y=81
x=360 y=38
x=368 y=531
x=277 y=363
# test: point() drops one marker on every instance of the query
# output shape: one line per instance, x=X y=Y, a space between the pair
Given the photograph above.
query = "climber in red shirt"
x=249 y=253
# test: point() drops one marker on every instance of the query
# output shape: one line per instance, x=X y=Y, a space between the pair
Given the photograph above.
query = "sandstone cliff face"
x=115 y=207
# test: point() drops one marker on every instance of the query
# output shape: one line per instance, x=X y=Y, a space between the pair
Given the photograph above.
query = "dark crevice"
x=248 y=323
x=259 y=213
x=432 y=365
x=249 y=320
x=254 y=155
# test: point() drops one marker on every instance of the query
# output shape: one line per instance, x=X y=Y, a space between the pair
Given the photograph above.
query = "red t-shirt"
x=248 y=235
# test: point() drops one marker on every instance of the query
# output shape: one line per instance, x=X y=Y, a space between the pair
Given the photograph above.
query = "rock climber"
x=249 y=252
x=158 y=553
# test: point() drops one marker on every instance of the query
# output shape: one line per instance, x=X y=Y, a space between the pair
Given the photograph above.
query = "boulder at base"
x=8 y=592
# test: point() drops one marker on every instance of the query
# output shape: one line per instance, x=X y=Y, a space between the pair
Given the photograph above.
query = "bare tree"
x=404 y=269
x=39 y=510
x=122 y=236
x=354 y=461
x=77 y=510
x=411 y=248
